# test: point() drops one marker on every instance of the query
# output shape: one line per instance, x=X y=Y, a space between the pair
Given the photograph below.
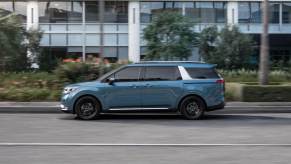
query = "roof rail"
x=169 y=62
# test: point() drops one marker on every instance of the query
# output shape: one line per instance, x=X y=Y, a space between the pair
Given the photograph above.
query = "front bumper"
x=65 y=109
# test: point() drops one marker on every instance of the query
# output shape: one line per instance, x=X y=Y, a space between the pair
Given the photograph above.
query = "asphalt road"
x=219 y=138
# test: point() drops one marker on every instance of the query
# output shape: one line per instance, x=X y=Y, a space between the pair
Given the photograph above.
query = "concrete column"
x=83 y=33
x=133 y=31
x=232 y=13
x=280 y=16
x=32 y=15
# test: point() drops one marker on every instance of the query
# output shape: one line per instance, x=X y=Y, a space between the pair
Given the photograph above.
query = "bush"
x=29 y=80
x=244 y=75
x=233 y=91
x=27 y=94
x=257 y=93
x=80 y=72
x=252 y=92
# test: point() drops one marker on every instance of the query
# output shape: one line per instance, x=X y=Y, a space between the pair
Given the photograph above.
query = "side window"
x=128 y=74
x=202 y=73
x=162 y=73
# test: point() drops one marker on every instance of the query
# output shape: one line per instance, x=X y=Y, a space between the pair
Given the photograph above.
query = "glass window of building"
x=249 y=12
x=286 y=15
x=20 y=10
x=145 y=12
x=75 y=11
x=274 y=13
x=60 y=12
x=6 y=8
x=174 y=6
x=150 y=9
x=116 y=12
x=207 y=12
x=244 y=11
x=255 y=12
x=43 y=12
x=92 y=12
x=220 y=12
x=192 y=11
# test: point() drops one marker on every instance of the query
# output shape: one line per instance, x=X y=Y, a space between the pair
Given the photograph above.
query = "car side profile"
x=189 y=88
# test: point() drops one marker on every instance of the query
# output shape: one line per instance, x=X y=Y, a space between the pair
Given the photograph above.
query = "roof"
x=175 y=63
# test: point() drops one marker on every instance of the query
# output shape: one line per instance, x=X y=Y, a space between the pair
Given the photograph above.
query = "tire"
x=87 y=108
x=192 y=108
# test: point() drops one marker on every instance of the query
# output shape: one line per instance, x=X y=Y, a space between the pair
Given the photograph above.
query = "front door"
x=125 y=92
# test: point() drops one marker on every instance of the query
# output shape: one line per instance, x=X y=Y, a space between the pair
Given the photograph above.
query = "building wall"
x=72 y=28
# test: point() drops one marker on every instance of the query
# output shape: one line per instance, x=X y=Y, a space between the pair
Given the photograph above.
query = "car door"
x=125 y=91
x=162 y=86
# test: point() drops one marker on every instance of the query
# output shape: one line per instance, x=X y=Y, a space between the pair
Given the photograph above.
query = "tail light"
x=221 y=81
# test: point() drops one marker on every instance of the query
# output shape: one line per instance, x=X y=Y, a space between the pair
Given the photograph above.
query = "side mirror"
x=111 y=81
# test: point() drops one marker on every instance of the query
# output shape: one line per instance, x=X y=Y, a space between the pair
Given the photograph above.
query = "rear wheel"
x=192 y=108
x=87 y=108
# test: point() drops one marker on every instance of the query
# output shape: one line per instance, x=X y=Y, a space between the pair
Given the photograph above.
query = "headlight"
x=68 y=90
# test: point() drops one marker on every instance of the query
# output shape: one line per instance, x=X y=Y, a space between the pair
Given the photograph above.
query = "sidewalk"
x=231 y=107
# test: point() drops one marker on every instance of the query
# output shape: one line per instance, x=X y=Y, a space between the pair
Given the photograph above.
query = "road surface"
x=219 y=138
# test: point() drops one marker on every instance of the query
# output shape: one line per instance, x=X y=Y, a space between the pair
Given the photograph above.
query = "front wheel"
x=192 y=108
x=87 y=108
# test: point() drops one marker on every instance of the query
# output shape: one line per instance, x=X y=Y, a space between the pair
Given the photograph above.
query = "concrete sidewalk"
x=231 y=107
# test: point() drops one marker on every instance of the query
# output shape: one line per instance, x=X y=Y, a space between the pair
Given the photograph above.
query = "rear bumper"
x=216 y=107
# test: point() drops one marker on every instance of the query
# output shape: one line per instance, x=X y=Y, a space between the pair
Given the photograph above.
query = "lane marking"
x=128 y=144
x=29 y=107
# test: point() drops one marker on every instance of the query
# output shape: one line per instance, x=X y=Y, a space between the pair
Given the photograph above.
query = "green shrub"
x=233 y=91
x=29 y=79
x=257 y=93
x=244 y=75
x=24 y=94
x=79 y=72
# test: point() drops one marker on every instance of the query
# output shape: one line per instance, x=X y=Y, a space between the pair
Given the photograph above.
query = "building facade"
x=72 y=28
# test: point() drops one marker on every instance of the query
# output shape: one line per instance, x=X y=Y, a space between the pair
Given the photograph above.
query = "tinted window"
x=128 y=74
x=202 y=73
x=162 y=73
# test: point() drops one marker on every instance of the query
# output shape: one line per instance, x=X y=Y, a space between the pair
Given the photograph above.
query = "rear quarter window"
x=202 y=73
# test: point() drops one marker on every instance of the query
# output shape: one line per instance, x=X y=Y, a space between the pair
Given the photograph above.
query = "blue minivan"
x=189 y=88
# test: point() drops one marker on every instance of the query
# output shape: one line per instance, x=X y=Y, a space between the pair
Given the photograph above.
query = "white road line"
x=29 y=107
x=129 y=144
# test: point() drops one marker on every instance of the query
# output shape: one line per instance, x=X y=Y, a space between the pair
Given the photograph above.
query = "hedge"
x=252 y=92
x=29 y=94
x=268 y=93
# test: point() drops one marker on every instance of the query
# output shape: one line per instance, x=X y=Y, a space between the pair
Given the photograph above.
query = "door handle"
x=148 y=85
x=133 y=86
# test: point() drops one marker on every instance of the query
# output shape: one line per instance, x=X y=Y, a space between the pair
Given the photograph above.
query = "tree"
x=264 y=51
x=229 y=48
x=13 y=52
x=170 y=36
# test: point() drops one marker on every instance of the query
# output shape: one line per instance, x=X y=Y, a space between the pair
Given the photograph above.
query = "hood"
x=86 y=84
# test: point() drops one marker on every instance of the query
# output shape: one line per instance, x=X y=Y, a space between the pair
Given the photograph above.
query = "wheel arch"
x=91 y=95
x=189 y=95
